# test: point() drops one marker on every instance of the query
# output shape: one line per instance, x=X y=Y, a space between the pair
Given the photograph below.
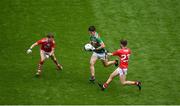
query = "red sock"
x=92 y=77
x=105 y=85
x=136 y=83
x=40 y=65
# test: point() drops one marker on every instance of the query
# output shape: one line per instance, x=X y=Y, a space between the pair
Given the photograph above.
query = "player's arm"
x=101 y=43
x=53 y=47
x=52 y=52
x=31 y=47
x=101 y=47
x=109 y=54
x=113 y=53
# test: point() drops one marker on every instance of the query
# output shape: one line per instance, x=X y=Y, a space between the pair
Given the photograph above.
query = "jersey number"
x=125 y=57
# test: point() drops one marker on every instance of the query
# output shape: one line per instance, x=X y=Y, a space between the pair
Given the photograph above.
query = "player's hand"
x=93 y=48
x=109 y=54
x=29 y=51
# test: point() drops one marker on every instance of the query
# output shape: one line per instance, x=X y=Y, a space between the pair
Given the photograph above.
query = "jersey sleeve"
x=53 y=44
x=116 y=53
x=90 y=38
x=99 y=40
x=129 y=51
x=40 y=41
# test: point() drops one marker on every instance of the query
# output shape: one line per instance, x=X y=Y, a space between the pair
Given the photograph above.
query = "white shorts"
x=101 y=56
x=121 y=71
x=45 y=53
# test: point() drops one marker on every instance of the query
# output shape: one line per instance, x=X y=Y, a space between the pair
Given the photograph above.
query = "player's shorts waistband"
x=100 y=52
x=45 y=51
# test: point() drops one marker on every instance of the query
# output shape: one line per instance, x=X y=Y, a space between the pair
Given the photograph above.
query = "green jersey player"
x=98 y=53
x=96 y=42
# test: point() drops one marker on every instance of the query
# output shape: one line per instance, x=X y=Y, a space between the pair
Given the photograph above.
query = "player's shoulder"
x=41 y=40
x=98 y=34
x=118 y=50
x=99 y=39
x=53 y=41
x=44 y=39
x=129 y=50
x=126 y=50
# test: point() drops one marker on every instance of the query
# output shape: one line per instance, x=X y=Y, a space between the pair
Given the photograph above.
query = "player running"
x=46 y=51
x=123 y=54
x=98 y=53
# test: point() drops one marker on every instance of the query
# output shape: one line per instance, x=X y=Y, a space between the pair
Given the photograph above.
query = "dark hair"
x=50 y=35
x=92 y=28
x=123 y=42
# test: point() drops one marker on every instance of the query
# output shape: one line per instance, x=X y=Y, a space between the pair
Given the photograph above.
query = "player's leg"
x=42 y=59
x=111 y=77
x=126 y=82
x=106 y=62
x=59 y=66
x=92 y=63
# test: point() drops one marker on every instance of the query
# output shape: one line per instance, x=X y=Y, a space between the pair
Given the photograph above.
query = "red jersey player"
x=46 y=51
x=123 y=55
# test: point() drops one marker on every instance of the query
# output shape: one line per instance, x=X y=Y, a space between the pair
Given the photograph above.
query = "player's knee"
x=92 y=63
x=123 y=82
x=105 y=65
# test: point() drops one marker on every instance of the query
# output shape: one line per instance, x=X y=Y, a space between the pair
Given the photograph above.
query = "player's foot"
x=37 y=75
x=101 y=86
x=59 y=67
x=92 y=79
x=117 y=63
x=138 y=83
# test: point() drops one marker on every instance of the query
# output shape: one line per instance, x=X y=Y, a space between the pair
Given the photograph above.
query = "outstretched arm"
x=52 y=52
x=32 y=46
x=102 y=46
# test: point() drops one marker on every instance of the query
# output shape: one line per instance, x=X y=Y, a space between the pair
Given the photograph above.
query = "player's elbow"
x=35 y=44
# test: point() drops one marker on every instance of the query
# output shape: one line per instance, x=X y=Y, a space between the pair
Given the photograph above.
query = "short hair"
x=123 y=42
x=50 y=35
x=92 y=28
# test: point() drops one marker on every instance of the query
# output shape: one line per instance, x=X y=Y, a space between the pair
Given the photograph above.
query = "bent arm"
x=101 y=47
x=52 y=52
x=33 y=45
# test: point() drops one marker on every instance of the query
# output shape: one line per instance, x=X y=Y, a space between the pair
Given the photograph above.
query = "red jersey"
x=46 y=45
x=123 y=56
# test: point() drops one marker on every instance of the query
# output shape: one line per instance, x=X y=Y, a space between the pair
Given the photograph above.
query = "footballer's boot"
x=101 y=86
x=59 y=67
x=117 y=63
x=38 y=74
x=138 y=84
x=92 y=79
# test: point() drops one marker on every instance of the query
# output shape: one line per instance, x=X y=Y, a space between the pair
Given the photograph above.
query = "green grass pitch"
x=152 y=28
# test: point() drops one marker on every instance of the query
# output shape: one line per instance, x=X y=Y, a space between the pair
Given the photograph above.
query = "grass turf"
x=150 y=26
